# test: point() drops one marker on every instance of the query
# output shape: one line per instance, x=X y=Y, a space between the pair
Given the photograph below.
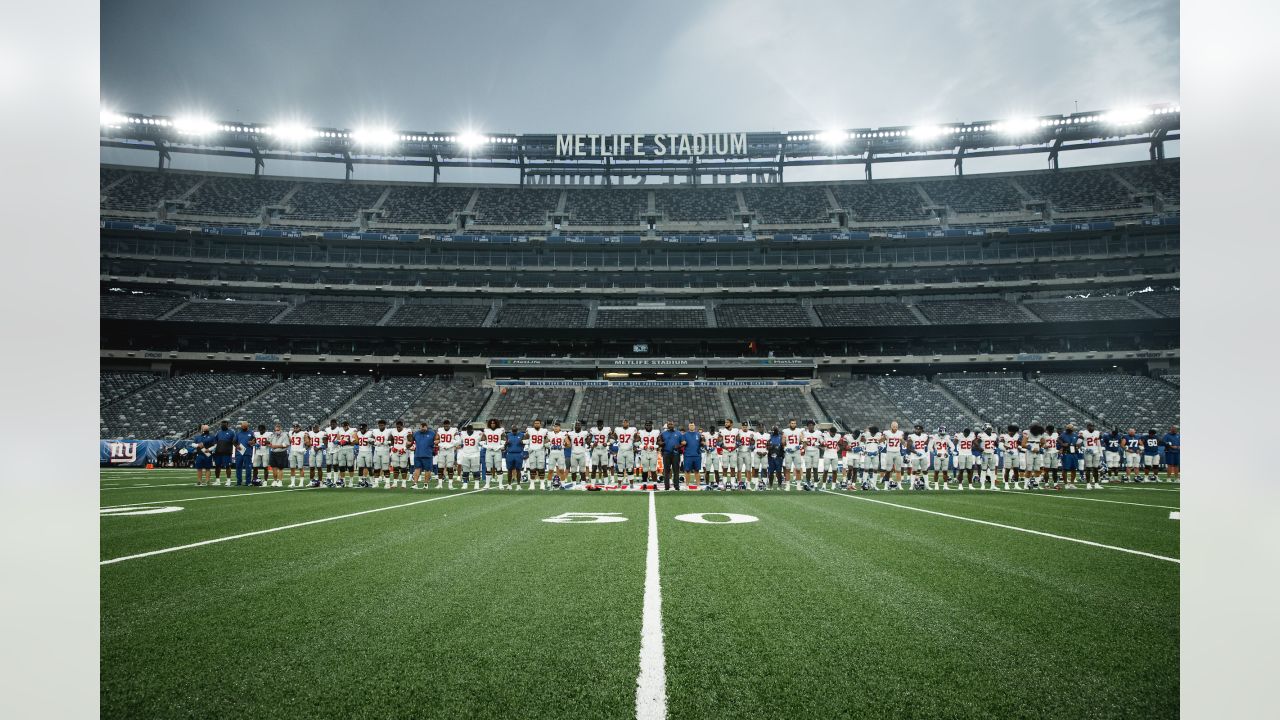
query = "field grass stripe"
x=282 y=527
x=1085 y=499
x=1008 y=527
x=651 y=685
x=205 y=497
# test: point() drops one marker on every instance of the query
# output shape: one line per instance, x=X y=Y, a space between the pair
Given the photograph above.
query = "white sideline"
x=1008 y=527
x=203 y=497
x=282 y=527
x=651 y=685
x=1071 y=497
x=1121 y=487
x=137 y=487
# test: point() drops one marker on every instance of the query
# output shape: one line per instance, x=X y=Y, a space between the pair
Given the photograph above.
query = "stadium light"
x=194 y=126
x=471 y=139
x=380 y=137
x=110 y=119
x=833 y=137
x=1127 y=116
x=1018 y=126
x=926 y=132
x=290 y=132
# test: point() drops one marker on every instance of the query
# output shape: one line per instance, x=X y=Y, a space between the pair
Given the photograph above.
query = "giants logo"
x=122 y=453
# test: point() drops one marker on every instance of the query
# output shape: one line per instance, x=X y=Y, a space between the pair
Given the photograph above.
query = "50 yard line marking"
x=651 y=685
x=1008 y=527
x=282 y=527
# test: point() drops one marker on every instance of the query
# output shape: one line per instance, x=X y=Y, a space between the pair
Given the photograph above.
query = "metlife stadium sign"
x=659 y=145
x=651 y=363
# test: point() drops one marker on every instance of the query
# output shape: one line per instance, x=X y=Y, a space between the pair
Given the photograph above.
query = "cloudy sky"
x=656 y=66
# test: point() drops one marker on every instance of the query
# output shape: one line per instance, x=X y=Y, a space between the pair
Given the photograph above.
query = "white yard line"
x=138 y=487
x=651 y=685
x=1127 y=487
x=282 y=527
x=1008 y=527
x=205 y=497
x=1072 y=497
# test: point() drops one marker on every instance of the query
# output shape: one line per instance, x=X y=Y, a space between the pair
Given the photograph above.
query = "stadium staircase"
x=284 y=201
x=726 y=405
x=574 y=407
x=276 y=320
x=742 y=202
x=1026 y=196
x=593 y=306
x=819 y=414
x=241 y=404
x=396 y=304
x=711 y=314
x=1031 y=314
x=1143 y=307
x=1087 y=415
x=166 y=315
x=561 y=202
x=366 y=387
x=832 y=203
x=807 y=304
x=919 y=315
x=486 y=410
x=492 y=317
x=955 y=398
x=471 y=203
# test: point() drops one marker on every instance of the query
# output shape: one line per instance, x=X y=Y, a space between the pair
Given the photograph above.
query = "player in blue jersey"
x=1172 y=441
x=1132 y=456
x=1151 y=456
x=515 y=455
x=1113 y=452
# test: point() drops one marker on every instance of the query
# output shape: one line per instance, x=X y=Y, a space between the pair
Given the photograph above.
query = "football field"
x=374 y=603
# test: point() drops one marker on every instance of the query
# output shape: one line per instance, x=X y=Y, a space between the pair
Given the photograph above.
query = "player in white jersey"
x=447 y=455
x=723 y=446
x=1011 y=448
x=297 y=455
x=830 y=459
x=557 y=442
x=381 y=441
x=1091 y=445
x=1052 y=460
x=261 y=454
x=650 y=443
x=495 y=438
x=964 y=443
x=400 y=438
x=793 y=457
x=579 y=452
x=364 y=457
x=812 y=455
x=940 y=445
x=759 y=456
x=917 y=456
x=626 y=436
x=1033 y=451
x=744 y=456
x=468 y=456
x=988 y=442
x=851 y=442
x=600 y=435
x=331 y=452
x=872 y=448
x=891 y=459
x=315 y=459
x=536 y=440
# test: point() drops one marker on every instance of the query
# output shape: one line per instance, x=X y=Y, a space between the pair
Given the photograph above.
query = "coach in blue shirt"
x=671 y=441
x=244 y=454
x=1172 y=450
x=203 y=444
x=424 y=450
x=692 y=454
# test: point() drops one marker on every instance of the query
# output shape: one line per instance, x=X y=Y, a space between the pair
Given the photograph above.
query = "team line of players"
x=748 y=458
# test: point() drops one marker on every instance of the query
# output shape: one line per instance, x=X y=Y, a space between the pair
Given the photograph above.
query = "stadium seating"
x=782 y=204
x=866 y=315
x=634 y=316
x=605 y=206
x=236 y=197
x=458 y=400
x=414 y=204
x=518 y=407
x=142 y=190
x=856 y=404
x=772 y=406
x=881 y=202
x=678 y=404
x=761 y=315
x=1002 y=400
x=1078 y=190
x=974 y=194
x=136 y=306
x=533 y=315
x=703 y=205
x=439 y=315
x=114 y=385
x=923 y=402
x=1165 y=303
x=336 y=312
x=229 y=311
x=305 y=399
x=1161 y=178
x=508 y=206
x=1119 y=400
x=175 y=407
x=1174 y=379
x=389 y=399
x=334 y=201
x=1116 y=307
x=961 y=312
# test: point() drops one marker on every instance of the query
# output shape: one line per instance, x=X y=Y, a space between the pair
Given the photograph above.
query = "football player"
x=297 y=454
x=1151 y=456
x=917 y=455
x=812 y=453
x=537 y=460
x=400 y=437
x=650 y=442
x=793 y=447
x=557 y=443
x=626 y=436
x=447 y=450
x=364 y=457
x=469 y=456
x=381 y=454
x=940 y=444
x=600 y=435
x=891 y=459
x=965 y=442
x=1172 y=441
x=1091 y=442
x=494 y=439
x=1132 y=456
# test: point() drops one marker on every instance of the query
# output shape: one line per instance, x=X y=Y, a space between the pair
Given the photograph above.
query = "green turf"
x=471 y=606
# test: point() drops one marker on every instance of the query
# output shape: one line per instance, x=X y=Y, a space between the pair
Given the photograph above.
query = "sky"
x=655 y=66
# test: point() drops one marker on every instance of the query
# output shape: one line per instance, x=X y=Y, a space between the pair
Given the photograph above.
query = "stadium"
x=622 y=283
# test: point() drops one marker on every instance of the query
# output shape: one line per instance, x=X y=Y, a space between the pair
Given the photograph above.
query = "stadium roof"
x=658 y=153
